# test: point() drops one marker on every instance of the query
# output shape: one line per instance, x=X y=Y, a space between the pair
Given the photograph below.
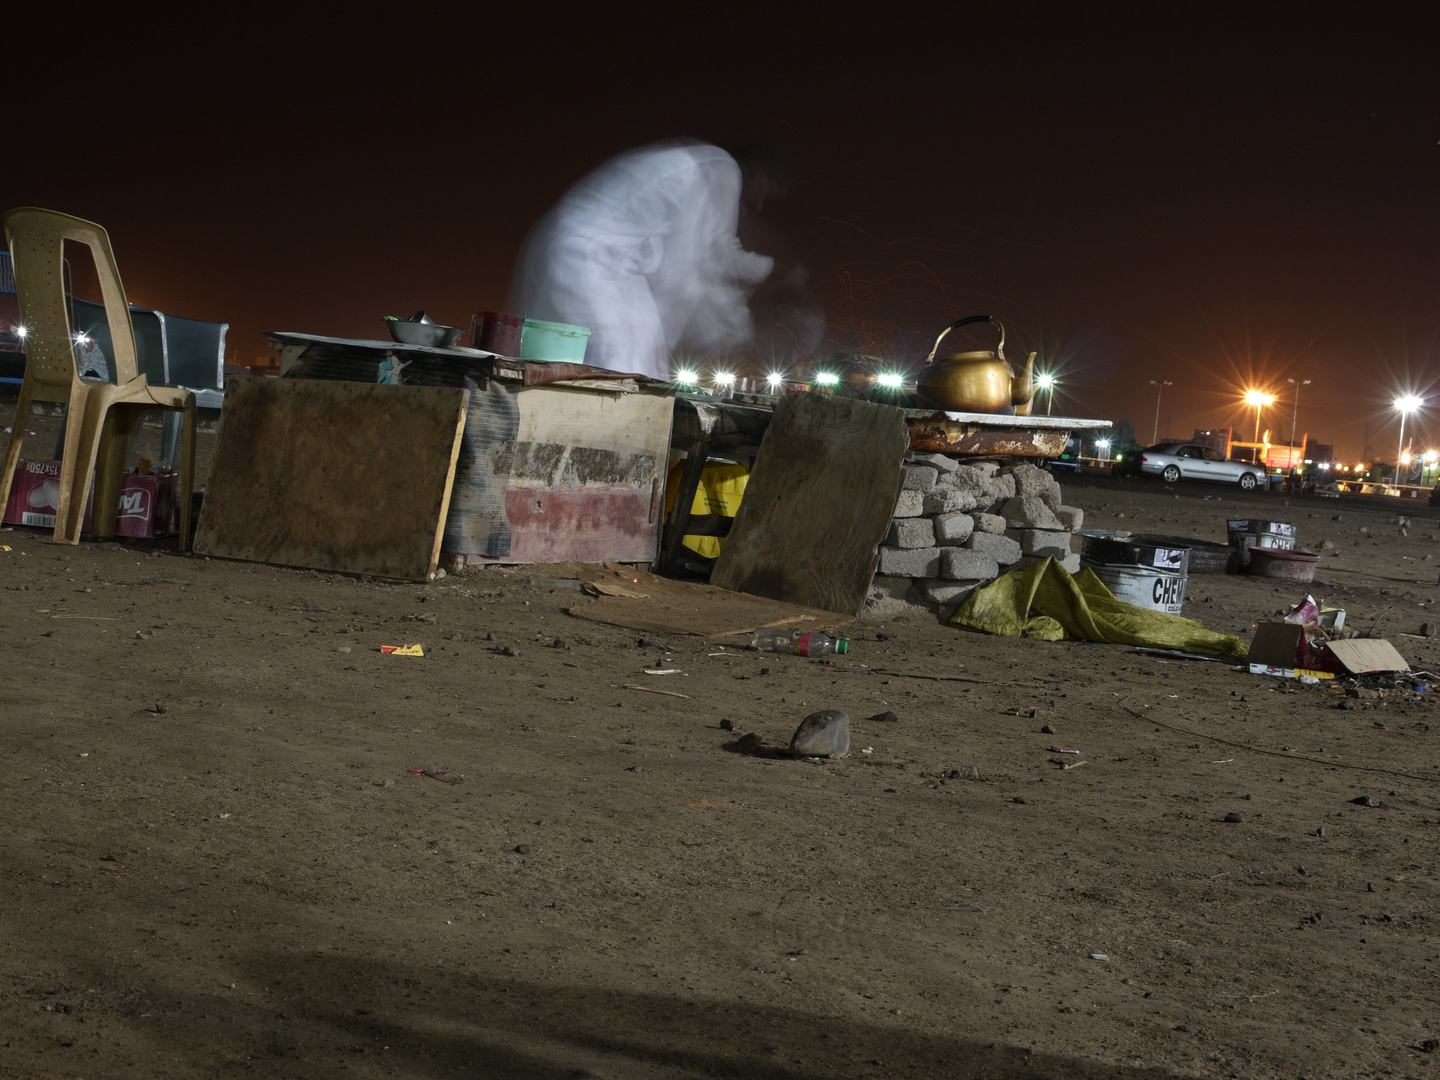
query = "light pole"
x=1407 y=404
x=1259 y=399
x=1160 y=390
x=1046 y=382
x=1294 y=410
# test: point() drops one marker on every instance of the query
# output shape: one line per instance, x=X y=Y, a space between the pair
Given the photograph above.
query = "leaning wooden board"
x=331 y=475
x=819 y=502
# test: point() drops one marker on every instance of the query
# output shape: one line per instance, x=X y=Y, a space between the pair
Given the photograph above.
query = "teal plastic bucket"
x=540 y=340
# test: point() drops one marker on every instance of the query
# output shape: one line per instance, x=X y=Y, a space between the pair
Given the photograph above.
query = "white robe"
x=644 y=252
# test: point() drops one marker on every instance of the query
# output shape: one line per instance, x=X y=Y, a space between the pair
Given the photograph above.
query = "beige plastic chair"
x=101 y=416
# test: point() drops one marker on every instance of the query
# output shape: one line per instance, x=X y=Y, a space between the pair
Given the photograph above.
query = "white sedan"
x=1192 y=461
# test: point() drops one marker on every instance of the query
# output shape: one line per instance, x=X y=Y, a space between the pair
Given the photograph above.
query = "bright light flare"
x=82 y=338
x=827 y=378
x=1045 y=382
x=1259 y=397
x=775 y=378
x=1324 y=466
x=1103 y=444
x=891 y=380
x=1409 y=403
x=723 y=378
x=1405 y=458
x=21 y=331
x=686 y=377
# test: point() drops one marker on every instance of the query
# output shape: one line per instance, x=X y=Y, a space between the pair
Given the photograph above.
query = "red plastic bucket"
x=1279 y=563
x=500 y=333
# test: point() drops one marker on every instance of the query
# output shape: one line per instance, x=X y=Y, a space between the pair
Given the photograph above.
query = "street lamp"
x=1294 y=409
x=1154 y=435
x=1407 y=404
x=1259 y=399
x=1046 y=382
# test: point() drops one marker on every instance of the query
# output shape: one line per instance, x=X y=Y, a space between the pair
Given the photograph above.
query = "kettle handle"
x=1000 y=350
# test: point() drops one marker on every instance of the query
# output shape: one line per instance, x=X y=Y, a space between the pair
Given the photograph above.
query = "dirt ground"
x=220 y=860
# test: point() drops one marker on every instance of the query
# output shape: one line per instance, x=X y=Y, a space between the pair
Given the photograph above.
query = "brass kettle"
x=978 y=382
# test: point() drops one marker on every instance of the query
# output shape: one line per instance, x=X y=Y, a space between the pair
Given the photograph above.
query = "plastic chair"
x=100 y=416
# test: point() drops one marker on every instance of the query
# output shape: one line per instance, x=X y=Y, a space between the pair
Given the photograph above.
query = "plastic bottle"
x=799 y=642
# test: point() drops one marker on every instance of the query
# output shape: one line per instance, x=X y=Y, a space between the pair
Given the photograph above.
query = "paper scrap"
x=402 y=650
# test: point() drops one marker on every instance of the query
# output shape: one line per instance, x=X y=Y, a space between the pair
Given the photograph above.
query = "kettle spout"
x=1022 y=387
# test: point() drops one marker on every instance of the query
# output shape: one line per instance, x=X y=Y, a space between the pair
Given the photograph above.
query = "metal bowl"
x=423 y=333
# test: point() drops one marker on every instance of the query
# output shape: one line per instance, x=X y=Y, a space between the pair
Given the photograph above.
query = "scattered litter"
x=663 y=671
x=1063 y=750
x=4 y=547
x=402 y=650
x=871 y=750
x=1099 y=956
x=434 y=770
x=653 y=690
x=96 y=618
x=1065 y=766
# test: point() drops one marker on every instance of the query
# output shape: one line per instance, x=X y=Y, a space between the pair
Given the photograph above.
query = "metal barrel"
x=1253 y=533
x=1138 y=573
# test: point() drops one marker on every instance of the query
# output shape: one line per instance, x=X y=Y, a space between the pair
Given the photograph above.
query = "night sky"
x=1220 y=198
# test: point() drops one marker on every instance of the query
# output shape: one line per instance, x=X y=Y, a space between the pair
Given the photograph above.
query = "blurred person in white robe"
x=644 y=251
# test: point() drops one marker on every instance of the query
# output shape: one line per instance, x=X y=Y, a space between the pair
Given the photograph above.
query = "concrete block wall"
x=959 y=525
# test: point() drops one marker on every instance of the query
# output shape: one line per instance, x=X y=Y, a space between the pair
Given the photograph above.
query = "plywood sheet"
x=659 y=605
x=818 y=504
x=583 y=476
x=330 y=475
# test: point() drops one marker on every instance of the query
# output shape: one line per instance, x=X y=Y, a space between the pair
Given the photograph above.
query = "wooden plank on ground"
x=332 y=475
x=818 y=504
x=657 y=605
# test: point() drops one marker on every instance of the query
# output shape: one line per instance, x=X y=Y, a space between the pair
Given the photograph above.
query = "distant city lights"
x=892 y=380
x=723 y=378
x=686 y=377
x=775 y=378
x=827 y=378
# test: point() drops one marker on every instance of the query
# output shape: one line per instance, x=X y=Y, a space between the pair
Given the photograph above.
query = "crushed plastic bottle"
x=798 y=642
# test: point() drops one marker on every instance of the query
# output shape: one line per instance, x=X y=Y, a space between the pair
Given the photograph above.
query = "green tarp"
x=1045 y=601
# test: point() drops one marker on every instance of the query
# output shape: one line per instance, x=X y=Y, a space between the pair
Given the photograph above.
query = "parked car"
x=1191 y=461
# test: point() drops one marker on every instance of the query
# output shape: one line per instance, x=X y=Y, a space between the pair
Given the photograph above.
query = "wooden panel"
x=819 y=502
x=583 y=476
x=333 y=475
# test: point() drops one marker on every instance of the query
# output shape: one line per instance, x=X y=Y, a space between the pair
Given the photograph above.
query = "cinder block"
x=1001 y=488
x=910 y=504
x=963 y=564
x=989 y=523
x=946 y=592
x=919 y=477
x=1028 y=512
x=910 y=562
x=917 y=532
x=953 y=528
x=1033 y=480
x=945 y=500
x=1042 y=542
x=1072 y=517
x=940 y=461
x=1000 y=548
x=893 y=587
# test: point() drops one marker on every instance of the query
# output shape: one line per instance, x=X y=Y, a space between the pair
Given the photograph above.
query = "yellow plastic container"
x=719 y=493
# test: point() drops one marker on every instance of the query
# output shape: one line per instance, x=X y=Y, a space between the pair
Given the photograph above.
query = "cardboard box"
x=147 y=503
x=1279 y=645
x=1361 y=655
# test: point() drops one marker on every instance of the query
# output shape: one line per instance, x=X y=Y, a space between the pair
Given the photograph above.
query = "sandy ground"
x=219 y=859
